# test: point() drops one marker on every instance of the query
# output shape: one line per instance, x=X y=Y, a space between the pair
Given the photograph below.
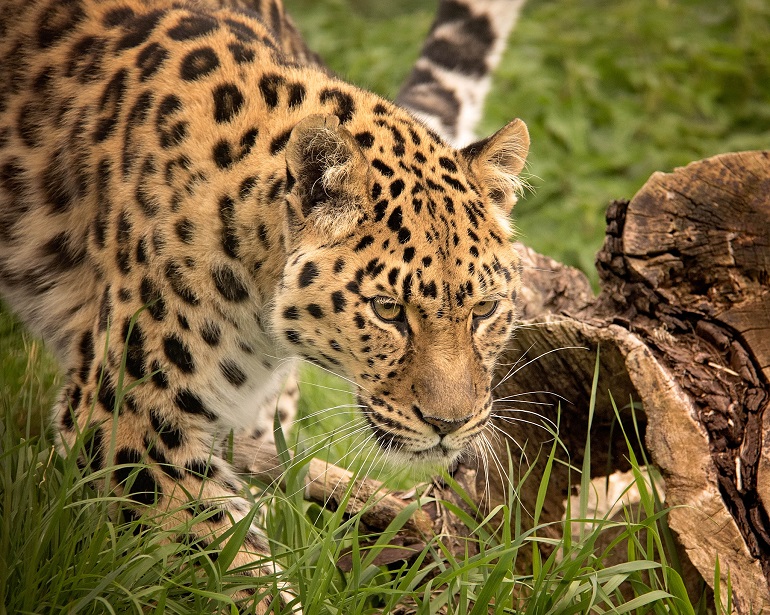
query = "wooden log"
x=683 y=321
x=328 y=484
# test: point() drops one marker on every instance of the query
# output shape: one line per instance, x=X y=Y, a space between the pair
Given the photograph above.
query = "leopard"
x=190 y=204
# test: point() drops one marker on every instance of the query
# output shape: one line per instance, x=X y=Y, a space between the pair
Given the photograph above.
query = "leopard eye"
x=484 y=309
x=387 y=309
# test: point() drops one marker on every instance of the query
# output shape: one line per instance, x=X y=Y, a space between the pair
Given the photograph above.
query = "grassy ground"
x=611 y=91
x=62 y=552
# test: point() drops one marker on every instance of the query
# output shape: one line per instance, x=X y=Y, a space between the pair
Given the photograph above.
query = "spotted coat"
x=187 y=207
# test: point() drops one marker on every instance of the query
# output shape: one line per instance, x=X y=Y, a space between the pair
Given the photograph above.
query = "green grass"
x=62 y=552
x=28 y=377
x=611 y=92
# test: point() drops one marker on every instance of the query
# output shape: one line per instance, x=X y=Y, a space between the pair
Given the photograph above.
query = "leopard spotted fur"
x=188 y=206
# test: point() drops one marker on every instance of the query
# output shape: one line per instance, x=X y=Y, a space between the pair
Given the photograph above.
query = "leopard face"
x=409 y=288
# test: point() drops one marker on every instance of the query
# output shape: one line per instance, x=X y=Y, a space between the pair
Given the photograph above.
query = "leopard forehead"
x=427 y=235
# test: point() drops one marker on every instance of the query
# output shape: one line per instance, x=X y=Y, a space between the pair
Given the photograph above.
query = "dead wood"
x=683 y=322
x=331 y=486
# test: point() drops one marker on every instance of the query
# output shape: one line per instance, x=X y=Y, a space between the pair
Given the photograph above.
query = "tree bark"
x=683 y=326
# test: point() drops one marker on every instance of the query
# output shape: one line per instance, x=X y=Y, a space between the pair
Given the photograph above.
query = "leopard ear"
x=326 y=176
x=497 y=161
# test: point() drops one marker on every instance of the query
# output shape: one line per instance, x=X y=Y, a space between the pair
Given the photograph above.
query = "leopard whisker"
x=516 y=492
x=351 y=456
x=282 y=361
x=513 y=365
x=517 y=395
x=343 y=432
x=363 y=467
x=510 y=398
x=338 y=462
x=342 y=410
x=512 y=372
x=512 y=419
x=481 y=454
x=484 y=451
x=321 y=386
x=508 y=437
x=332 y=372
x=498 y=464
x=356 y=451
x=346 y=431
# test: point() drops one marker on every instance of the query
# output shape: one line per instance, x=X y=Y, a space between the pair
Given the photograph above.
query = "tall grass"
x=64 y=550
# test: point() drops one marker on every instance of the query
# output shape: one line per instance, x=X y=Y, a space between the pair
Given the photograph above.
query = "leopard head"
x=400 y=273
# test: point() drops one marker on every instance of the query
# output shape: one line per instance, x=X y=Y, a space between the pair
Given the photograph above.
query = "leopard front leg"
x=166 y=449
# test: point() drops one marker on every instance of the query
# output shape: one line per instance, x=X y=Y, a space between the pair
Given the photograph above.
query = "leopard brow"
x=495 y=295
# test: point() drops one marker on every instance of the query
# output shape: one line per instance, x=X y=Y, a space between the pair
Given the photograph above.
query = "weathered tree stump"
x=683 y=323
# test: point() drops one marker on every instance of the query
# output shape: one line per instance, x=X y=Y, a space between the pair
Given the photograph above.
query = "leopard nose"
x=442 y=426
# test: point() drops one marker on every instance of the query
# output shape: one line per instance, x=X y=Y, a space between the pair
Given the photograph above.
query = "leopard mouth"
x=403 y=450
x=438 y=456
x=438 y=451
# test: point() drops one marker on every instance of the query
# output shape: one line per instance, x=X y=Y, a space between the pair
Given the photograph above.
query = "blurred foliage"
x=28 y=379
x=372 y=43
x=611 y=90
